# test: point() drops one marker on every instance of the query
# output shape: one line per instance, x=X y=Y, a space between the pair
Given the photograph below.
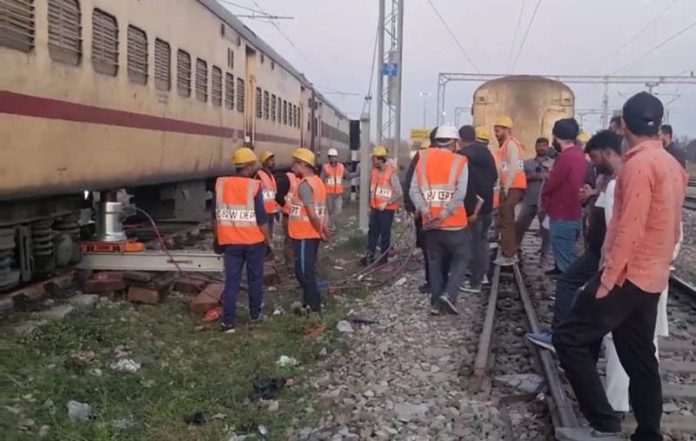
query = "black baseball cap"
x=643 y=114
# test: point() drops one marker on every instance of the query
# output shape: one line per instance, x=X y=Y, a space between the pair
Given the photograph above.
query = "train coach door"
x=250 y=104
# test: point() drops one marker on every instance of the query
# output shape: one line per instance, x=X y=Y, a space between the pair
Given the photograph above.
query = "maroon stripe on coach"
x=27 y=105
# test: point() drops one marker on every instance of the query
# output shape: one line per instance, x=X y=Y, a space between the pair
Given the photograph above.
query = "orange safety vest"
x=334 y=178
x=520 y=178
x=438 y=171
x=235 y=214
x=381 y=190
x=299 y=225
x=294 y=182
x=270 y=188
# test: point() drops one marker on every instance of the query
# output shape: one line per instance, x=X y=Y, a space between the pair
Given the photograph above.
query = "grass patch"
x=184 y=371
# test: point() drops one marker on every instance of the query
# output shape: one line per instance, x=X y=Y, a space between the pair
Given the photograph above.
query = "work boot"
x=448 y=305
x=368 y=259
x=424 y=289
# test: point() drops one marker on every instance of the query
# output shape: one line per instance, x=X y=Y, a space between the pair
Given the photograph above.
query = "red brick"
x=208 y=299
x=142 y=294
x=105 y=282
x=187 y=285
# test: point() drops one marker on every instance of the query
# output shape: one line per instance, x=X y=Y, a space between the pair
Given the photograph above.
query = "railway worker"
x=410 y=208
x=583 y=137
x=307 y=225
x=385 y=192
x=623 y=297
x=241 y=229
x=332 y=173
x=605 y=152
x=438 y=191
x=666 y=134
x=513 y=183
x=560 y=195
x=537 y=171
x=293 y=182
x=269 y=187
x=483 y=175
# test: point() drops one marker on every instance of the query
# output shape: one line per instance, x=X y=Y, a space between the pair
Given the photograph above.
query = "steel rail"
x=566 y=412
x=484 y=347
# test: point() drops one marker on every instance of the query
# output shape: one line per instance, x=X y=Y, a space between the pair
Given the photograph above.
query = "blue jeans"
x=563 y=234
x=306 y=272
x=235 y=257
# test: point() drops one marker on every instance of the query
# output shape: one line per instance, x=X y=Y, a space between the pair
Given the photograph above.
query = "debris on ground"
x=314 y=330
x=285 y=361
x=123 y=424
x=84 y=301
x=213 y=314
x=268 y=388
x=126 y=365
x=209 y=298
x=54 y=314
x=344 y=327
x=527 y=383
x=79 y=412
x=196 y=419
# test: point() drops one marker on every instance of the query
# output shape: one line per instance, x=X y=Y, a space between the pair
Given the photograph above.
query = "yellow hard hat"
x=425 y=144
x=583 y=137
x=265 y=156
x=483 y=133
x=380 y=151
x=244 y=155
x=304 y=155
x=504 y=121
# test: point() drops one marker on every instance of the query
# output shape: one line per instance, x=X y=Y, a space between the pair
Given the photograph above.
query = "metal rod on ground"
x=564 y=406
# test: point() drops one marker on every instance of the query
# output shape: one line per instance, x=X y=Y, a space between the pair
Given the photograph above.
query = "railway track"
x=510 y=313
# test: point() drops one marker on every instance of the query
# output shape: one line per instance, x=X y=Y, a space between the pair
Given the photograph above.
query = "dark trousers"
x=379 y=231
x=420 y=243
x=235 y=257
x=568 y=284
x=480 y=252
x=448 y=258
x=306 y=272
x=629 y=313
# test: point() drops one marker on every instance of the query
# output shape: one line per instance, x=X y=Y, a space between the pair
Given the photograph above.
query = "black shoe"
x=424 y=289
x=227 y=329
x=367 y=260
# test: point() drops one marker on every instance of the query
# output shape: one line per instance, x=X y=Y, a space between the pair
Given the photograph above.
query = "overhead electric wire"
x=454 y=37
x=373 y=72
x=517 y=31
x=658 y=46
x=526 y=34
x=642 y=30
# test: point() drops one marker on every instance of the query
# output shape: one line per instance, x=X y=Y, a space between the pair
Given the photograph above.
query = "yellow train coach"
x=101 y=94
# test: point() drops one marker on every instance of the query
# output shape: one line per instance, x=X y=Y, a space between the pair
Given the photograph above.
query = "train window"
x=201 y=80
x=280 y=110
x=266 y=105
x=273 y=108
x=163 y=65
x=65 y=31
x=259 y=110
x=104 y=43
x=216 y=89
x=285 y=112
x=263 y=58
x=241 y=95
x=183 y=73
x=18 y=33
x=137 y=55
x=297 y=117
x=230 y=58
x=272 y=65
x=229 y=91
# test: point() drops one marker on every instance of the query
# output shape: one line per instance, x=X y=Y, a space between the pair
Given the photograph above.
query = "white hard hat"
x=333 y=152
x=447 y=132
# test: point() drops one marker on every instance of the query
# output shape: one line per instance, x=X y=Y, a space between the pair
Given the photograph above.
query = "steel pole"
x=399 y=76
x=380 y=72
x=365 y=167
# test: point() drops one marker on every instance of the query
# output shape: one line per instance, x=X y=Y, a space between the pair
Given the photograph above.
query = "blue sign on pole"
x=390 y=69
